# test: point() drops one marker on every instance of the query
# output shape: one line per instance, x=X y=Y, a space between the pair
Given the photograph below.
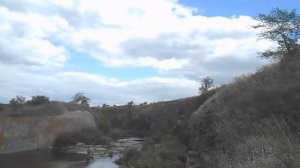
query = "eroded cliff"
x=28 y=128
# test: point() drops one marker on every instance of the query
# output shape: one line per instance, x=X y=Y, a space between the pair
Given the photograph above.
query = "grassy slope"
x=252 y=122
x=51 y=108
x=155 y=118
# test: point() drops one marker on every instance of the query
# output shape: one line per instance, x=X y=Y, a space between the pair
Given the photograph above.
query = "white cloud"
x=24 y=40
x=63 y=85
x=161 y=34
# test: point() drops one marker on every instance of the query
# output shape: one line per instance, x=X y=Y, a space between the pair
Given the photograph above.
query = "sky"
x=118 y=51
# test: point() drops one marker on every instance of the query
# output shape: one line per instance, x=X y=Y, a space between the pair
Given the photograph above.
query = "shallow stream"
x=47 y=159
x=74 y=157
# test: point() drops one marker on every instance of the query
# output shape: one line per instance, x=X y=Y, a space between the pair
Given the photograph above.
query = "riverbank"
x=73 y=157
x=116 y=147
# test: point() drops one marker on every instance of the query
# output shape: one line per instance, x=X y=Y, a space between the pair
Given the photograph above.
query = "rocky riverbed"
x=115 y=148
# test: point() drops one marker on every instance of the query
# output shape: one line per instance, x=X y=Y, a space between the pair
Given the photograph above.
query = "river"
x=73 y=158
x=47 y=159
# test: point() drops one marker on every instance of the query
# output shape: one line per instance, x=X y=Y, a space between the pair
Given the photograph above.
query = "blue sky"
x=131 y=50
x=229 y=8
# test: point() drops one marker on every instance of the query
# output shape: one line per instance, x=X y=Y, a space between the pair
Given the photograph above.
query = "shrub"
x=80 y=98
x=18 y=100
x=39 y=99
x=103 y=123
x=87 y=136
x=167 y=154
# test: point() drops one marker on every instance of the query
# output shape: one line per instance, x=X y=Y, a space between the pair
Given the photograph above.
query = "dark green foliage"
x=281 y=26
x=80 y=98
x=37 y=100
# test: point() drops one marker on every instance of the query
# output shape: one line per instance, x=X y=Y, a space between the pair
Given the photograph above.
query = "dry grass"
x=253 y=122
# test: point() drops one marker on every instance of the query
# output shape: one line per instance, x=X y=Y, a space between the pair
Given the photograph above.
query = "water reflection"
x=103 y=162
x=46 y=159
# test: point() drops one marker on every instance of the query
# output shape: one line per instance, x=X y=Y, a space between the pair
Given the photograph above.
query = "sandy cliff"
x=19 y=132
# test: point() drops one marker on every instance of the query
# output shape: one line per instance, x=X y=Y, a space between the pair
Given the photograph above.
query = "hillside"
x=251 y=122
x=154 y=118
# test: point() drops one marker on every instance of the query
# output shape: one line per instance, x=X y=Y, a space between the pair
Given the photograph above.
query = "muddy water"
x=46 y=159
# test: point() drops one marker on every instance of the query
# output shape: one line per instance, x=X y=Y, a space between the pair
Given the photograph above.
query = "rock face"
x=20 y=133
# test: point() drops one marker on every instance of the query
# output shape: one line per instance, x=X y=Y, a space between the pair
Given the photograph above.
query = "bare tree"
x=206 y=83
x=18 y=100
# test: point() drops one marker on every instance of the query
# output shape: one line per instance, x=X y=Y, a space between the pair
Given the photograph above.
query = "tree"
x=206 y=83
x=18 y=100
x=281 y=26
x=79 y=98
x=103 y=122
x=39 y=99
x=130 y=103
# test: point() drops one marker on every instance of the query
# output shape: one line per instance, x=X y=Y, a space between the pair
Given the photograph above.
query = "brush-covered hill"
x=251 y=122
x=148 y=119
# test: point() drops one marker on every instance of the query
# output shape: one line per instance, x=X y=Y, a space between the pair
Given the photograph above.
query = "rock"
x=20 y=133
x=115 y=148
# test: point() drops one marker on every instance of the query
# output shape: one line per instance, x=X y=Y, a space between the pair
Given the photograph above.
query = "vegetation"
x=130 y=103
x=252 y=122
x=81 y=99
x=18 y=100
x=103 y=123
x=86 y=136
x=281 y=26
x=206 y=83
x=28 y=110
x=37 y=100
x=157 y=152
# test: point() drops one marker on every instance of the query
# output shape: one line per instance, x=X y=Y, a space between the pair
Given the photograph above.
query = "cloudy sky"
x=116 y=51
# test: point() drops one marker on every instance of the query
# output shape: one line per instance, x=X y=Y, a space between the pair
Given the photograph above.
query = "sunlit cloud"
x=39 y=37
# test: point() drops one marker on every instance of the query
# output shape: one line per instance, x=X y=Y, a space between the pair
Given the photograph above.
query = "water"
x=46 y=159
x=103 y=162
